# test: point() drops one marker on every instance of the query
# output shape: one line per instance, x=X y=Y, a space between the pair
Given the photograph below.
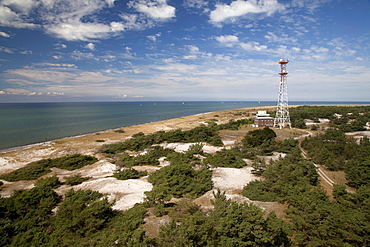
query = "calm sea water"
x=28 y=123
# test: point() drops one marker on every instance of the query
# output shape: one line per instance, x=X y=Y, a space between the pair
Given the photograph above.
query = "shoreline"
x=27 y=146
x=40 y=143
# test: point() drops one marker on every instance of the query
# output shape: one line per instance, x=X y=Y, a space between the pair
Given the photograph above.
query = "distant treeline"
x=346 y=118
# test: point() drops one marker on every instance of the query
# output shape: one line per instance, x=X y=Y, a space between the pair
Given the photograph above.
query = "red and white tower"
x=282 y=118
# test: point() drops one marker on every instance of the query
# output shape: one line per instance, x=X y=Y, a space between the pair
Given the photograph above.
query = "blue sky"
x=106 y=50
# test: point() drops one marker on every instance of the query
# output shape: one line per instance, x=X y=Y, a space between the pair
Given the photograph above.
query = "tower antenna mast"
x=282 y=118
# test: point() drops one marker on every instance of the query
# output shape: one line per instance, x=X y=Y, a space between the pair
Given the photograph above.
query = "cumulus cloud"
x=70 y=19
x=233 y=41
x=227 y=39
x=224 y=12
x=156 y=9
x=11 y=19
x=90 y=46
x=4 y=34
x=77 y=30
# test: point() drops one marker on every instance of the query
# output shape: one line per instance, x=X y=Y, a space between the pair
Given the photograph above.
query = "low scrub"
x=39 y=168
x=129 y=174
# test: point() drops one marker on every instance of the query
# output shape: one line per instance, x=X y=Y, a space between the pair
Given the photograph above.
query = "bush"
x=73 y=162
x=75 y=179
x=225 y=158
x=31 y=171
x=258 y=137
x=179 y=180
x=39 y=168
x=119 y=131
x=129 y=174
x=51 y=182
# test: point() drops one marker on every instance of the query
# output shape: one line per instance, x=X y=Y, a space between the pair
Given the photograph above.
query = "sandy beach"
x=128 y=192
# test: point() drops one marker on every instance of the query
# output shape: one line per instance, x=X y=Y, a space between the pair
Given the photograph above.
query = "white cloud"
x=90 y=46
x=190 y=57
x=21 y=5
x=311 y=5
x=4 y=34
x=154 y=37
x=227 y=39
x=233 y=41
x=6 y=50
x=239 y=8
x=78 y=55
x=271 y=37
x=156 y=9
x=253 y=46
x=20 y=91
x=70 y=19
x=195 y=3
x=12 y=19
x=193 y=48
x=110 y=2
x=77 y=30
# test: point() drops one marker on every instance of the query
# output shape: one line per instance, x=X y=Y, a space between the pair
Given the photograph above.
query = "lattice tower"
x=282 y=118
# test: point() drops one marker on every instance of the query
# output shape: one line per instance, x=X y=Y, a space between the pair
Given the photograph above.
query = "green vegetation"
x=225 y=158
x=129 y=174
x=337 y=152
x=284 y=178
x=50 y=182
x=75 y=179
x=228 y=224
x=149 y=158
x=205 y=134
x=119 y=131
x=315 y=220
x=346 y=118
x=312 y=218
x=179 y=180
x=39 y=168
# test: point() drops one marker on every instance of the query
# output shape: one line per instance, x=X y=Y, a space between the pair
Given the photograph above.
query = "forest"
x=40 y=217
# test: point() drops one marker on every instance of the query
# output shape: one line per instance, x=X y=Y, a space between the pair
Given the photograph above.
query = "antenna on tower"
x=282 y=118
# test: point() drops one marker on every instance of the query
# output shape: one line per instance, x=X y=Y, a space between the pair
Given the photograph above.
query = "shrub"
x=75 y=179
x=51 y=182
x=31 y=171
x=39 y=168
x=225 y=158
x=119 y=131
x=129 y=174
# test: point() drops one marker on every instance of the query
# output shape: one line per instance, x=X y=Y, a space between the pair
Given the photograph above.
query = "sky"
x=183 y=50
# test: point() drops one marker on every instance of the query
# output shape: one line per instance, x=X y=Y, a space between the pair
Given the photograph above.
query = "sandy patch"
x=183 y=147
x=126 y=193
x=274 y=157
x=8 y=188
x=232 y=179
x=359 y=134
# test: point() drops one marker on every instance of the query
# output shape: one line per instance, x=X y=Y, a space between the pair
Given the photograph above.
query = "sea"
x=24 y=124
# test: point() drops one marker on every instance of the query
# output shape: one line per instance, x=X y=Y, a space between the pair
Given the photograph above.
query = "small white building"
x=263 y=119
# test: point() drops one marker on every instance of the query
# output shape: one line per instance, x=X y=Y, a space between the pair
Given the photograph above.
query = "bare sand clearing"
x=128 y=192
